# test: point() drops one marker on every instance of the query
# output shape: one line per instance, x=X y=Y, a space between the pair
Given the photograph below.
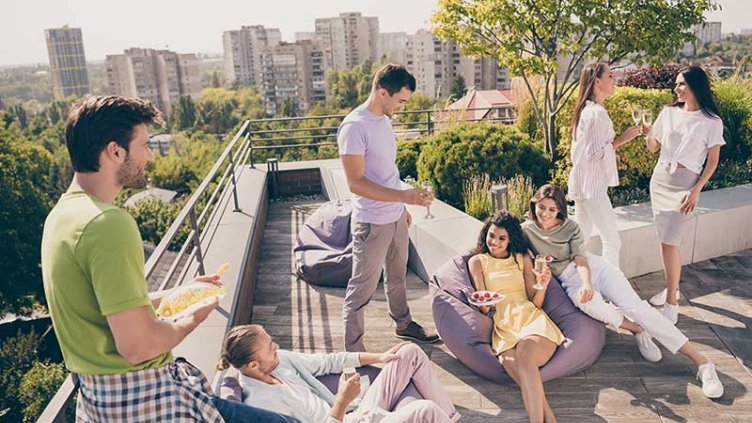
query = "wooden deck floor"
x=619 y=387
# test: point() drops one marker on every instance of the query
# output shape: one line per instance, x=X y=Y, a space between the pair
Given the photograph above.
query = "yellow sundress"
x=516 y=316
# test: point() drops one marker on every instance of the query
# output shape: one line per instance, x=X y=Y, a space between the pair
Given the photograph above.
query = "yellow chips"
x=222 y=269
x=186 y=296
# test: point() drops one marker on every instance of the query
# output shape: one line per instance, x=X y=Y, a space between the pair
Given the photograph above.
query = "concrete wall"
x=721 y=225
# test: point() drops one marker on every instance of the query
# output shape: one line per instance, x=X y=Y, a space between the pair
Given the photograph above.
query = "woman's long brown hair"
x=587 y=86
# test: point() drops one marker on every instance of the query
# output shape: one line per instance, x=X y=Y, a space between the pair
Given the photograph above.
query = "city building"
x=65 y=48
x=161 y=76
x=436 y=64
x=708 y=32
x=305 y=36
x=242 y=52
x=348 y=40
x=292 y=72
x=393 y=47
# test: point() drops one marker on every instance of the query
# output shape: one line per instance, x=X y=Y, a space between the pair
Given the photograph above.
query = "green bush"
x=407 y=158
x=476 y=197
x=735 y=104
x=455 y=155
x=17 y=354
x=526 y=120
x=634 y=161
x=38 y=386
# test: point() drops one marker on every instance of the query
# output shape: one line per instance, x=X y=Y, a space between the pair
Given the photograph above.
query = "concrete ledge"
x=721 y=225
x=232 y=237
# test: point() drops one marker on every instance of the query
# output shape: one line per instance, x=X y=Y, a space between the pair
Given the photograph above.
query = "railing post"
x=250 y=147
x=429 y=123
x=197 y=242
x=234 y=184
x=499 y=197
x=272 y=168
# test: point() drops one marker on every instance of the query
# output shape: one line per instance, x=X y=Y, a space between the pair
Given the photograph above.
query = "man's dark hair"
x=96 y=121
x=393 y=78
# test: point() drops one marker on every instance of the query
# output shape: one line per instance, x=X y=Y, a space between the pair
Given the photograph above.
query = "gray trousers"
x=376 y=247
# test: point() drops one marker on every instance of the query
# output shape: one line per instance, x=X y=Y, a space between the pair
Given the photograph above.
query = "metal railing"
x=263 y=132
x=200 y=209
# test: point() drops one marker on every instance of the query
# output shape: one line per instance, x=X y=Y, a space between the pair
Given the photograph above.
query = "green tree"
x=38 y=386
x=350 y=87
x=17 y=355
x=175 y=173
x=552 y=38
x=183 y=114
x=24 y=204
x=459 y=88
x=416 y=102
x=289 y=107
x=215 y=82
x=21 y=116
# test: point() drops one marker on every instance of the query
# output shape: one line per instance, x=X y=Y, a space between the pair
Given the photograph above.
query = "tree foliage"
x=183 y=114
x=652 y=77
x=348 y=88
x=553 y=38
x=459 y=88
x=24 y=203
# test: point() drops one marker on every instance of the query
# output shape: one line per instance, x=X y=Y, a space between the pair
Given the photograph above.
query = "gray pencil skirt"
x=666 y=194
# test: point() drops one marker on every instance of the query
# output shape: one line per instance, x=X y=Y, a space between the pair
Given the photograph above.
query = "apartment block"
x=708 y=32
x=292 y=71
x=161 y=76
x=436 y=64
x=348 y=40
x=393 y=47
x=65 y=48
x=242 y=52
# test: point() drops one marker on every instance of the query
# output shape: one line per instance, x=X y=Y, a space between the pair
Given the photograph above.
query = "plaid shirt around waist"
x=177 y=392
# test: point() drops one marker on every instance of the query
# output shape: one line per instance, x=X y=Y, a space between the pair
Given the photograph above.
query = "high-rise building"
x=436 y=64
x=393 y=47
x=242 y=52
x=161 y=76
x=708 y=32
x=65 y=48
x=305 y=35
x=292 y=72
x=348 y=40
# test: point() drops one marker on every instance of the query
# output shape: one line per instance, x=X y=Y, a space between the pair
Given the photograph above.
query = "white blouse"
x=686 y=137
x=593 y=156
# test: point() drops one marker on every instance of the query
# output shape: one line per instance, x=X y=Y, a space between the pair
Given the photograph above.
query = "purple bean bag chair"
x=467 y=332
x=227 y=385
x=323 y=252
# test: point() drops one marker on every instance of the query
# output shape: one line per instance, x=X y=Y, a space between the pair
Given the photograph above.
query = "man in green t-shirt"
x=93 y=272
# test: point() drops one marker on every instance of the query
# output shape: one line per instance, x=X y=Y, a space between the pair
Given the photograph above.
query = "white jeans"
x=610 y=284
x=598 y=217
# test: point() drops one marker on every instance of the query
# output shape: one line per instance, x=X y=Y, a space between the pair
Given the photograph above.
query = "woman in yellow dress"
x=524 y=338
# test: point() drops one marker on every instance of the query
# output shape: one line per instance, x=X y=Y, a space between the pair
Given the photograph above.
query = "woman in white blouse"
x=594 y=159
x=687 y=133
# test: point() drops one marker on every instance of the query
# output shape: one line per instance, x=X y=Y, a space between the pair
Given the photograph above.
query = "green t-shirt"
x=92 y=267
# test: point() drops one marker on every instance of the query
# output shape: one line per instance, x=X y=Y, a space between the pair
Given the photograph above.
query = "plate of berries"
x=485 y=298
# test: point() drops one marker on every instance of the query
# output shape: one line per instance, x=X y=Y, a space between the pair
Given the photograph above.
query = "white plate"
x=486 y=302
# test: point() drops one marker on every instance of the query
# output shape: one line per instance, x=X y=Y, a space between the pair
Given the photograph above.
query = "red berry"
x=487 y=295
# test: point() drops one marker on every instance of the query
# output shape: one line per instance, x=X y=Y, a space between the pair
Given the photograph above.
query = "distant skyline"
x=111 y=27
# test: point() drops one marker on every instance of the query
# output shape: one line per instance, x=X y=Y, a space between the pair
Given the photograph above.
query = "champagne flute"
x=637 y=115
x=647 y=117
x=540 y=266
x=428 y=186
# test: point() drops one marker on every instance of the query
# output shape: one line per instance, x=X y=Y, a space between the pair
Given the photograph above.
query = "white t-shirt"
x=686 y=137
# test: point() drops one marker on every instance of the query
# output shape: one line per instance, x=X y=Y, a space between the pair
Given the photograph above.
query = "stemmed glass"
x=637 y=114
x=540 y=266
x=647 y=117
x=428 y=186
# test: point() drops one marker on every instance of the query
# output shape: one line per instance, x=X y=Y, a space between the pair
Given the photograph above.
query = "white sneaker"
x=659 y=299
x=647 y=347
x=671 y=312
x=711 y=385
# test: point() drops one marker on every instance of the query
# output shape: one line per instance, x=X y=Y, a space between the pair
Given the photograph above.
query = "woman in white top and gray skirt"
x=687 y=133
x=594 y=160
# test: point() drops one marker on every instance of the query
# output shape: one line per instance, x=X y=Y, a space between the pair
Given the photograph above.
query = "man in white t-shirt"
x=368 y=149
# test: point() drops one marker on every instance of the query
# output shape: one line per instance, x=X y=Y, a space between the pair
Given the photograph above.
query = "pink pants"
x=379 y=402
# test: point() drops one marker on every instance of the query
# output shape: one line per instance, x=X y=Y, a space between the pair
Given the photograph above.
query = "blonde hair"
x=238 y=347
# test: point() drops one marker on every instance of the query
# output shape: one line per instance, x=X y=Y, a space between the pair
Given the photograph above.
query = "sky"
x=109 y=27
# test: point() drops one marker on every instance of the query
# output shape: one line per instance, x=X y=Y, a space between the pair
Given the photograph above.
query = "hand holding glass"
x=428 y=186
x=541 y=263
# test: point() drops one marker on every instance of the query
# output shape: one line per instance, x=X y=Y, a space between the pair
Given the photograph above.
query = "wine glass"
x=540 y=266
x=428 y=186
x=637 y=115
x=647 y=116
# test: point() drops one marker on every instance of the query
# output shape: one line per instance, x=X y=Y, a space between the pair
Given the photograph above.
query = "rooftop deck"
x=716 y=312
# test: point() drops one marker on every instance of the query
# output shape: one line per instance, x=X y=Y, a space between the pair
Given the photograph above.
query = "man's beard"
x=130 y=176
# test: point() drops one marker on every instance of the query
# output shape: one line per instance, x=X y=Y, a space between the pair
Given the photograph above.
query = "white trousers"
x=610 y=284
x=597 y=217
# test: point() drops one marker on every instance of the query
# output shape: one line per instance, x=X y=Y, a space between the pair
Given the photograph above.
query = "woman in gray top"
x=590 y=281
